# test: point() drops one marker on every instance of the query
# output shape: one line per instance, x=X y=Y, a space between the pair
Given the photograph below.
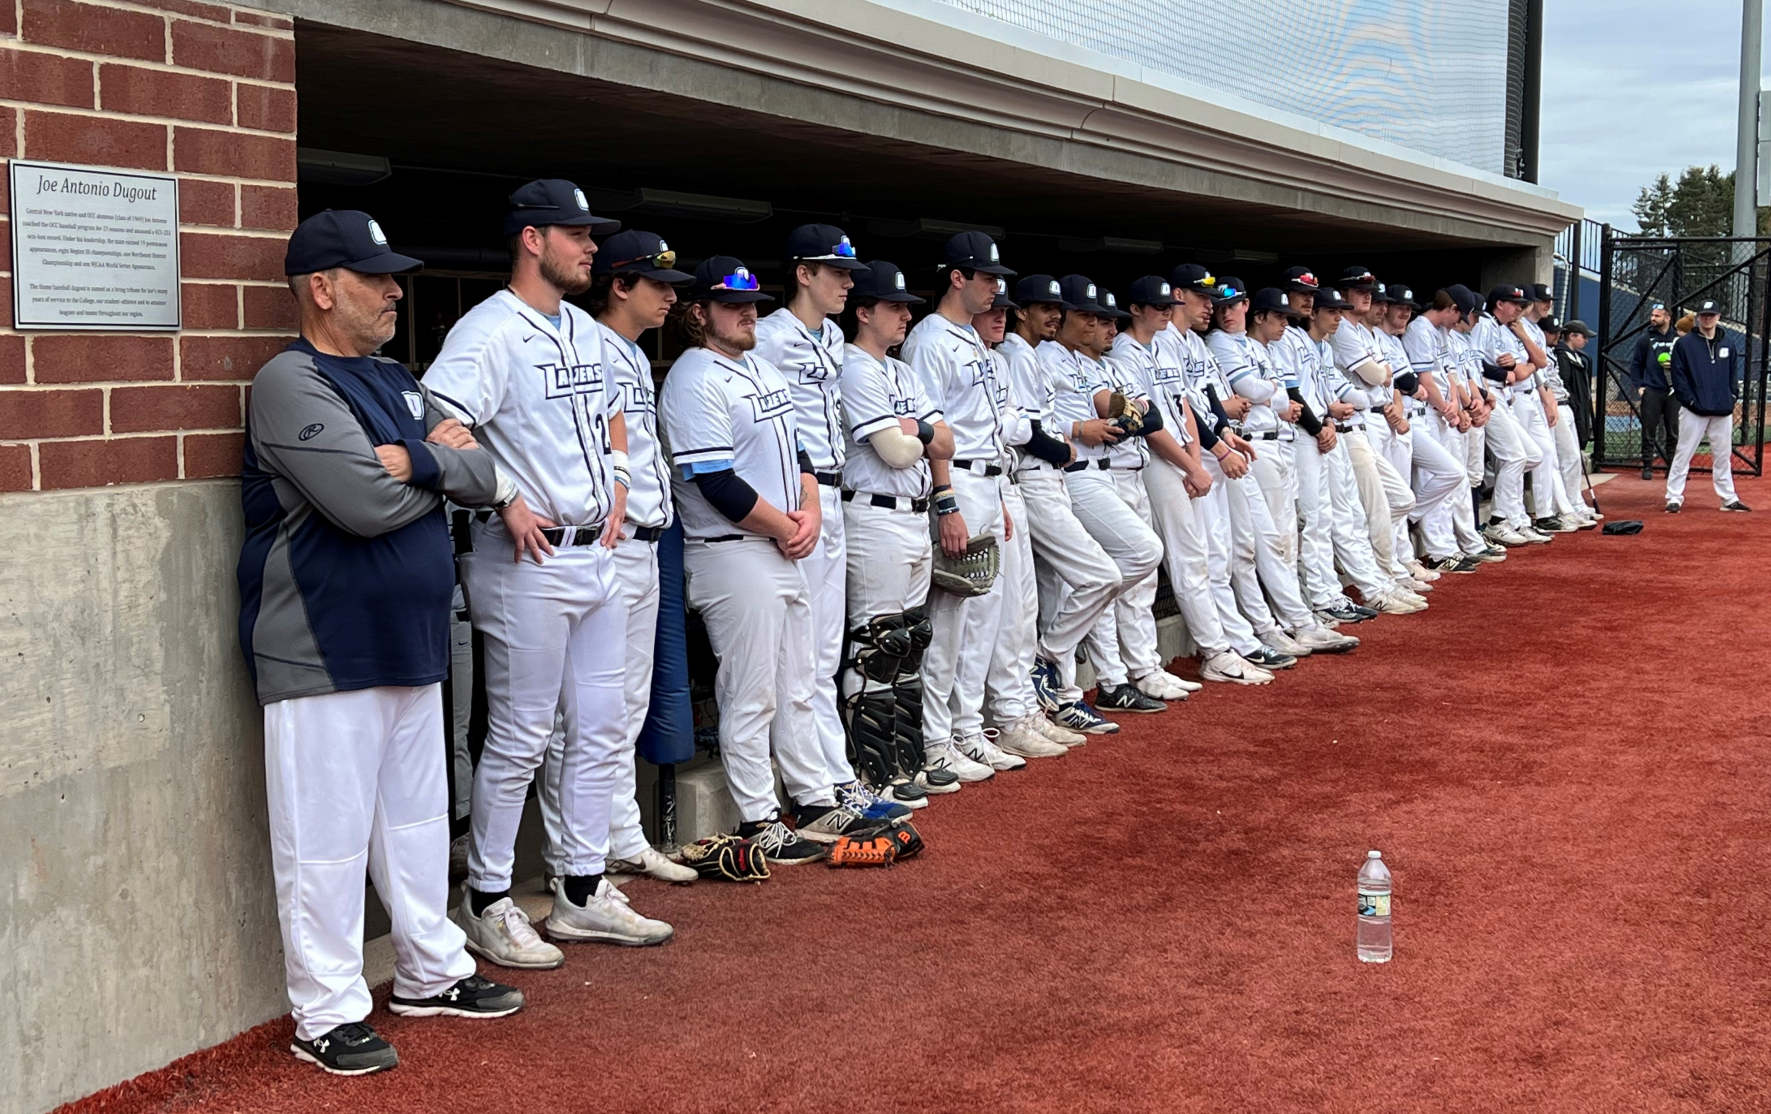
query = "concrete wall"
x=137 y=919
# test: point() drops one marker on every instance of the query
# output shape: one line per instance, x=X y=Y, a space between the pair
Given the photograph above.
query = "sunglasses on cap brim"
x=738 y=280
x=657 y=261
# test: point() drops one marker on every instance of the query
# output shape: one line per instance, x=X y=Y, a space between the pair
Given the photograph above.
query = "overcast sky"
x=1632 y=88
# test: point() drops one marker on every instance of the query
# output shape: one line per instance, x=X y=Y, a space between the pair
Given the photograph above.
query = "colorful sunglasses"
x=741 y=279
x=660 y=261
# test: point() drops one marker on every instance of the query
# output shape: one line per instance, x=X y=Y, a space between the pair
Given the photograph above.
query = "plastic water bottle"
x=1374 y=909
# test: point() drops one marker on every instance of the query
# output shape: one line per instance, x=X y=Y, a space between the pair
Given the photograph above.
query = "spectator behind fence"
x=1648 y=376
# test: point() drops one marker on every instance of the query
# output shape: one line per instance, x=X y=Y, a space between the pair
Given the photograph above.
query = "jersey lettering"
x=772 y=405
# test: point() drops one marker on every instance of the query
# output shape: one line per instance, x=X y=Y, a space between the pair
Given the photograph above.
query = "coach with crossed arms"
x=345 y=580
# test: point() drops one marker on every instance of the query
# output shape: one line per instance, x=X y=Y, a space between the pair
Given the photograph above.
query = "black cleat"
x=1270 y=659
x=1647 y=472
x=1672 y=508
x=350 y=1049
x=1127 y=698
x=471 y=997
x=1736 y=506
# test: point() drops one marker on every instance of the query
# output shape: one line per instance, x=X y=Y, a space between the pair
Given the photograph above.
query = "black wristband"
x=1046 y=447
x=924 y=431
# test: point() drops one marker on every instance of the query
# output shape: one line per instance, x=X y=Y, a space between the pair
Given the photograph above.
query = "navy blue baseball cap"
x=822 y=243
x=553 y=201
x=1040 y=288
x=1191 y=276
x=1329 y=298
x=1111 y=305
x=343 y=238
x=1080 y=294
x=1709 y=308
x=1151 y=290
x=974 y=251
x=1399 y=295
x=1359 y=278
x=1464 y=298
x=1229 y=291
x=1509 y=294
x=1002 y=300
x=1541 y=292
x=880 y=281
x=1300 y=280
x=638 y=253
x=1549 y=324
x=725 y=278
x=1272 y=299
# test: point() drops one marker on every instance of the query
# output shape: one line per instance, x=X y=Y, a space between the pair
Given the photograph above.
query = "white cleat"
x=652 y=864
x=1231 y=667
x=1055 y=732
x=604 y=918
x=1163 y=685
x=947 y=756
x=1397 y=602
x=1280 y=642
x=979 y=747
x=1324 y=641
x=1023 y=739
x=1420 y=572
x=504 y=935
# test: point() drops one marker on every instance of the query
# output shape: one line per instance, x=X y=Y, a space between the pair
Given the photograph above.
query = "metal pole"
x=1574 y=269
x=1746 y=140
x=1602 y=381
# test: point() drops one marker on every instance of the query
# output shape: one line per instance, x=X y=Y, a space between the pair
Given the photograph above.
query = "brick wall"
x=206 y=91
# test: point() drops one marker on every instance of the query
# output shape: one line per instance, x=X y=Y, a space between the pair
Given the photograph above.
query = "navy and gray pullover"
x=346 y=573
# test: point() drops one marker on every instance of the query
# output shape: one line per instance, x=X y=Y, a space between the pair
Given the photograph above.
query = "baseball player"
x=1393 y=438
x=1505 y=363
x=1480 y=401
x=891 y=432
x=1437 y=478
x=1555 y=514
x=1175 y=481
x=1327 y=492
x=524 y=369
x=631 y=291
x=1008 y=687
x=1073 y=579
x=803 y=342
x=1235 y=587
x=958 y=378
x=1448 y=529
x=750 y=503
x=345 y=580
x=1245 y=330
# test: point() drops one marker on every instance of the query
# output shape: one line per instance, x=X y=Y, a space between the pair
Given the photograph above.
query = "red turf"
x=1564 y=763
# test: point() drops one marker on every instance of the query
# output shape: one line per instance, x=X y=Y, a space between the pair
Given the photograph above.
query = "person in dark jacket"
x=345 y=579
x=1705 y=376
x=1648 y=377
x=1577 y=376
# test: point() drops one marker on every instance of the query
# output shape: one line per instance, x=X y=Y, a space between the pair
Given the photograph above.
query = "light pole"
x=1746 y=150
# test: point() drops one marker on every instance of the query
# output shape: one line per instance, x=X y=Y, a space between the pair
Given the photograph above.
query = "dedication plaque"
x=93 y=248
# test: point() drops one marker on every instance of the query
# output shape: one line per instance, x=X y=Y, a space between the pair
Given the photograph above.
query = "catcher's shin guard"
x=907 y=687
x=869 y=713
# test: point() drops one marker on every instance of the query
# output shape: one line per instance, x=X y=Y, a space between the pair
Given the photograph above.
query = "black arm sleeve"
x=1494 y=371
x=1152 y=420
x=1220 y=418
x=924 y=431
x=1046 y=447
x=1308 y=420
x=805 y=463
x=729 y=495
x=1408 y=382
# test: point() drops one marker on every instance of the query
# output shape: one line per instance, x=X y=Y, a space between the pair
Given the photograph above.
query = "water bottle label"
x=1374 y=905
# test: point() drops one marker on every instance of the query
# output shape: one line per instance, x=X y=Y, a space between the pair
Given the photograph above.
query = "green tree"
x=1651 y=206
x=1700 y=203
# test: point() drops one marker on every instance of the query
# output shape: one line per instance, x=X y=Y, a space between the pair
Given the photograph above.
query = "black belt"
x=1338 y=428
x=890 y=502
x=1270 y=435
x=1085 y=465
x=979 y=466
x=829 y=479
x=647 y=533
x=579 y=535
x=730 y=538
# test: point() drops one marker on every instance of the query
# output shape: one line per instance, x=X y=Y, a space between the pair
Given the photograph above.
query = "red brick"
x=207 y=455
x=226 y=50
x=236 y=357
x=27 y=414
x=95 y=30
x=265 y=107
x=270 y=307
x=101 y=140
x=268 y=207
x=151 y=409
x=148 y=92
x=99 y=358
x=258 y=19
x=8 y=134
x=6 y=296
x=12 y=357
x=15 y=467
x=45 y=78
x=8 y=19
x=204 y=202
x=203 y=151
x=206 y=255
x=122 y=460
x=190 y=8
x=211 y=305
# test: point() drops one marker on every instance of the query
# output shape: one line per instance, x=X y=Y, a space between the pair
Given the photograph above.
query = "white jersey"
x=957 y=377
x=1338 y=388
x=1075 y=379
x=1252 y=375
x=1132 y=369
x=1354 y=343
x=538 y=400
x=1168 y=383
x=812 y=365
x=1030 y=395
x=1396 y=355
x=1490 y=339
x=1204 y=377
x=874 y=396
x=1302 y=359
x=630 y=372
x=720 y=414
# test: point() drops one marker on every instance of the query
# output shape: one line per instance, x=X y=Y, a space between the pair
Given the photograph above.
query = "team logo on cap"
x=1166 y=290
x=663 y=247
x=995 y=257
x=1001 y=285
x=376 y=234
x=1407 y=294
x=898 y=280
x=578 y=196
x=1091 y=289
x=1112 y=302
x=1052 y=288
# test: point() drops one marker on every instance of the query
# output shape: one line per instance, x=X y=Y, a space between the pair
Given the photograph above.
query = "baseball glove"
x=971 y=575
x=1124 y=413
x=727 y=857
x=906 y=839
x=877 y=849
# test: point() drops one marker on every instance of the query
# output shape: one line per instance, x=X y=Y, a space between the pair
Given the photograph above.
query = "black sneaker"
x=1365 y=613
x=1647 y=472
x=471 y=997
x=779 y=842
x=352 y=1049
x=1672 y=508
x=1346 y=611
x=1127 y=698
x=1549 y=524
x=829 y=823
x=1465 y=565
x=1736 y=506
x=1270 y=659
x=1443 y=564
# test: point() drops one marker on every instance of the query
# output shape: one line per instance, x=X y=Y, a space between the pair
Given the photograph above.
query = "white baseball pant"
x=1570 y=461
x=1352 y=536
x=1128 y=541
x=1515 y=451
x=1456 y=517
x=1438 y=482
x=1009 y=686
x=355 y=780
x=552 y=633
x=636 y=579
x=758 y=613
x=1076 y=580
x=1213 y=512
x=889 y=558
x=1397 y=451
x=1315 y=501
x=1180 y=526
x=1383 y=492
x=1547 y=497
x=953 y=679
x=1254 y=511
x=1694 y=429
x=826 y=571
x=1122 y=643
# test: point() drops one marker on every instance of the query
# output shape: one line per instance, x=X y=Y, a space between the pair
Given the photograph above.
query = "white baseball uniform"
x=723 y=414
x=1383 y=491
x=1515 y=446
x=1008 y=687
x=1447 y=524
x=889 y=549
x=1129 y=368
x=539 y=401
